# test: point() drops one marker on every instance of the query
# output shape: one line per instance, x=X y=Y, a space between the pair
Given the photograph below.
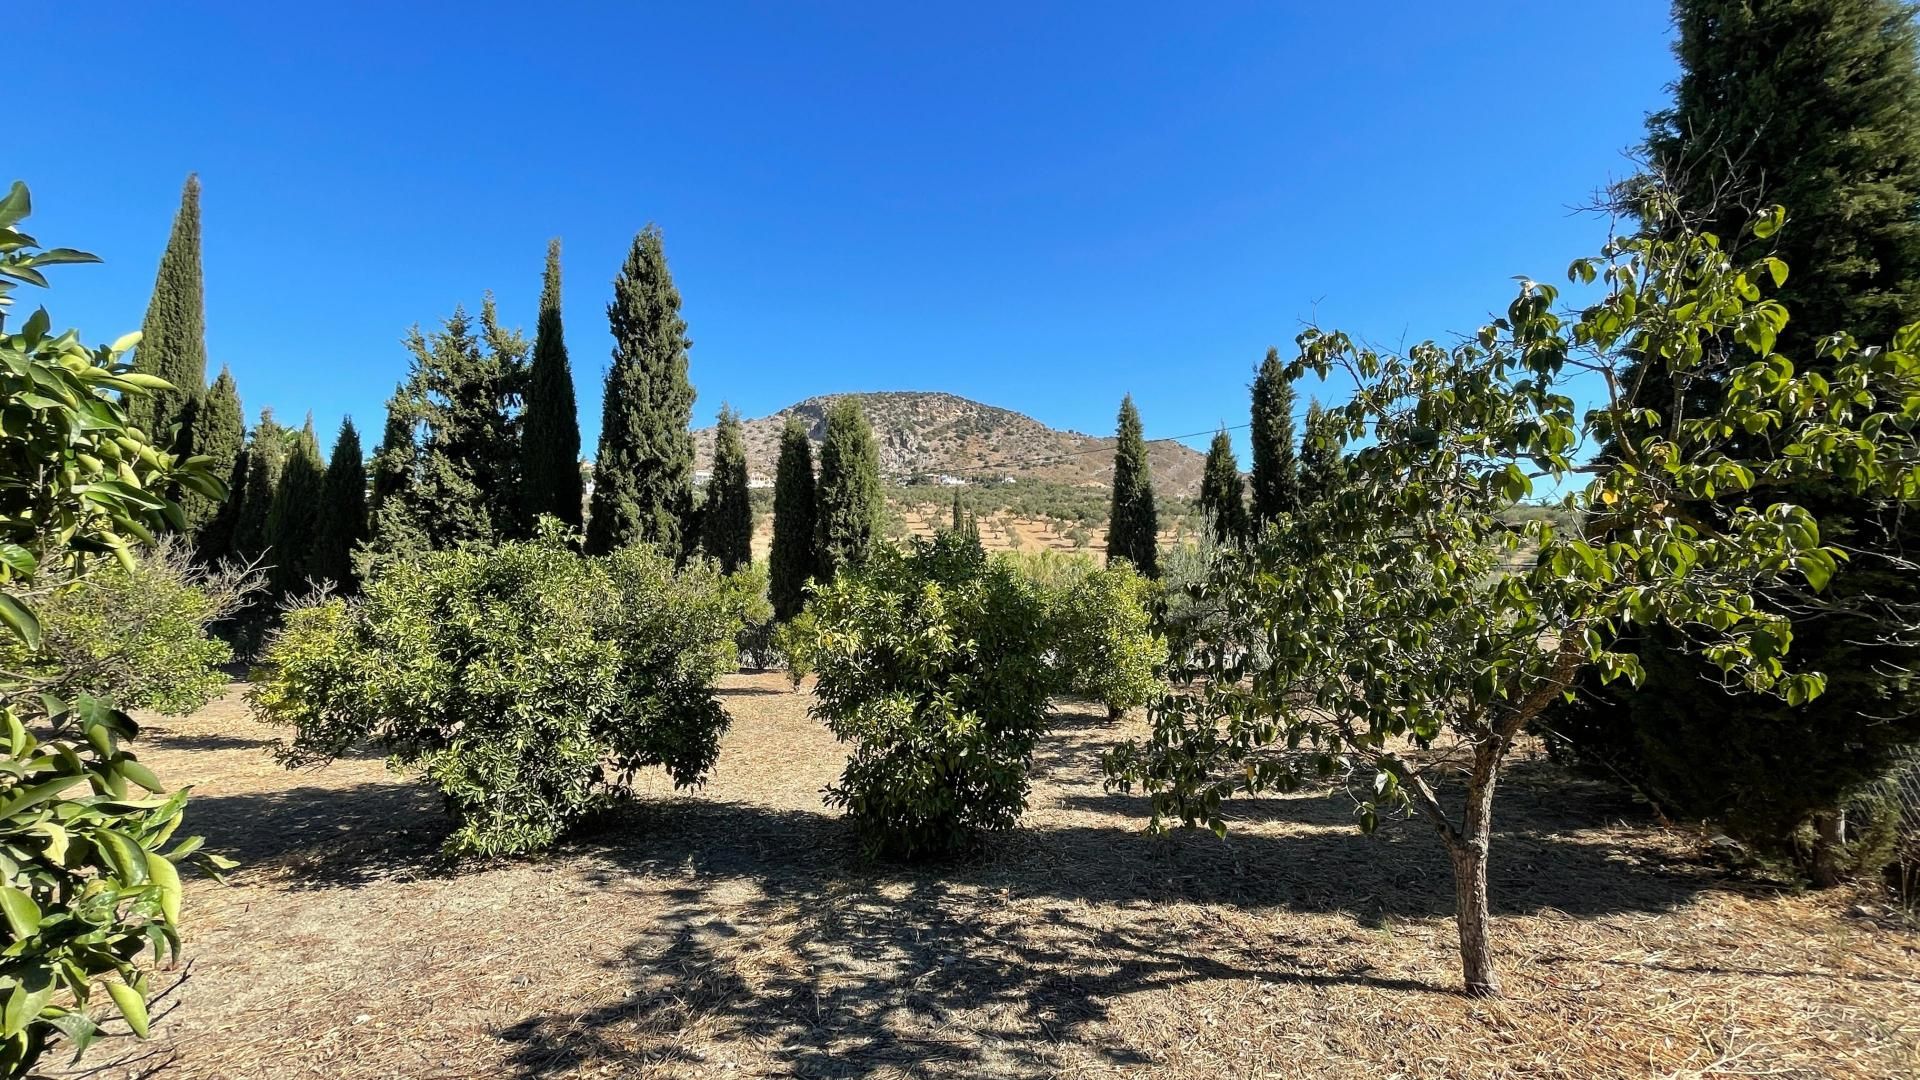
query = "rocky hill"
x=938 y=438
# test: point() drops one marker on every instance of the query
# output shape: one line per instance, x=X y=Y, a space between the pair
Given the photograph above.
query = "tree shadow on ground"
x=322 y=837
x=841 y=968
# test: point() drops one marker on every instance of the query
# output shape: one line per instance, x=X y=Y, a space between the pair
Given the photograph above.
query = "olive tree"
x=1401 y=634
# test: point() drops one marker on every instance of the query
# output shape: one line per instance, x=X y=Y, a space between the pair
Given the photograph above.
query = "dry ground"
x=733 y=932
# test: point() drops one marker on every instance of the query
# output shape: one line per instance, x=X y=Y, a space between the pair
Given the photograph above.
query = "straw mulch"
x=734 y=932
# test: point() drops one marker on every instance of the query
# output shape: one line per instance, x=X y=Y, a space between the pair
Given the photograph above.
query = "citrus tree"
x=89 y=864
x=1403 y=633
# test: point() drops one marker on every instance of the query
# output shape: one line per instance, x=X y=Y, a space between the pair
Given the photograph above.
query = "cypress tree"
x=1320 y=464
x=1276 y=480
x=1132 y=524
x=266 y=453
x=343 y=511
x=727 y=519
x=643 y=469
x=965 y=525
x=1813 y=105
x=1223 y=493
x=293 y=515
x=850 y=503
x=393 y=459
x=173 y=336
x=216 y=428
x=791 y=563
x=550 y=439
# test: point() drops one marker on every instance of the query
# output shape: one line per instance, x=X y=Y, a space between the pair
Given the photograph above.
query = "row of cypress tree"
x=826 y=522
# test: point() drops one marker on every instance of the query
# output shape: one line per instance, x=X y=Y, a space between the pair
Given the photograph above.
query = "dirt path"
x=733 y=932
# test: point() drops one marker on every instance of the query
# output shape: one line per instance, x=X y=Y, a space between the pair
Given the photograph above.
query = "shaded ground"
x=734 y=932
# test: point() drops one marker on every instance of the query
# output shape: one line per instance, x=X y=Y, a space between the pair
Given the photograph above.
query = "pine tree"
x=266 y=453
x=216 y=428
x=643 y=469
x=850 y=504
x=1813 y=105
x=1132 y=525
x=450 y=476
x=342 y=521
x=791 y=563
x=1276 y=480
x=1320 y=463
x=550 y=439
x=293 y=516
x=727 y=519
x=173 y=337
x=1223 y=501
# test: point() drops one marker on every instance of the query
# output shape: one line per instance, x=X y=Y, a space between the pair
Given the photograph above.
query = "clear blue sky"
x=1039 y=206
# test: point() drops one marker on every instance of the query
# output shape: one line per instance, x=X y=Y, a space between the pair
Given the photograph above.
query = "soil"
x=734 y=931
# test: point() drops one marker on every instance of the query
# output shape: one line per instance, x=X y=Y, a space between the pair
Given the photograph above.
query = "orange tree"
x=88 y=880
x=1403 y=633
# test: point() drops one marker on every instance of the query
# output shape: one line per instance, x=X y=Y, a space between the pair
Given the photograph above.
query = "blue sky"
x=1039 y=206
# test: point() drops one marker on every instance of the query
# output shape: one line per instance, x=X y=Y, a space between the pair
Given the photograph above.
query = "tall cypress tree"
x=216 y=428
x=727 y=520
x=343 y=511
x=173 y=336
x=1276 y=480
x=791 y=563
x=550 y=437
x=266 y=453
x=643 y=469
x=1132 y=525
x=293 y=516
x=1813 y=105
x=850 y=503
x=1223 y=501
x=1320 y=463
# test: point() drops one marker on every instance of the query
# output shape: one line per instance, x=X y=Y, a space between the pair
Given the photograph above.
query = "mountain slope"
x=937 y=437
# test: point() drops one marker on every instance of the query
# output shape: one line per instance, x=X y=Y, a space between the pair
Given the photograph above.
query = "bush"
x=526 y=682
x=932 y=663
x=746 y=590
x=137 y=635
x=1104 y=643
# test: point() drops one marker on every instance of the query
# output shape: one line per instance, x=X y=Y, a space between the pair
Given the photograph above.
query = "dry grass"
x=734 y=933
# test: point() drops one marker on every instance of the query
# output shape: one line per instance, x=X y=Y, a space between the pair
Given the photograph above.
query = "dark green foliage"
x=293 y=516
x=173 y=337
x=447 y=472
x=850 y=507
x=1320 y=457
x=932 y=665
x=1814 y=105
x=643 y=469
x=562 y=676
x=550 y=438
x=726 y=521
x=791 y=563
x=266 y=453
x=1276 y=479
x=217 y=428
x=1132 y=523
x=1223 y=500
x=964 y=524
x=343 y=512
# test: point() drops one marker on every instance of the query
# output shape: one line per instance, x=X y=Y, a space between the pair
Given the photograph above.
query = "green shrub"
x=84 y=885
x=1051 y=571
x=137 y=635
x=932 y=664
x=1104 y=643
x=746 y=590
x=526 y=682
